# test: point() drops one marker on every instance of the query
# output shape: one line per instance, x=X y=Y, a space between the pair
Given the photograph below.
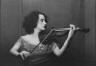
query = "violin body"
x=50 y=36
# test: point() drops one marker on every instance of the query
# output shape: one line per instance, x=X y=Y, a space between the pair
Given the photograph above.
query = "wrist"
x=69 y=37
x=18 y=54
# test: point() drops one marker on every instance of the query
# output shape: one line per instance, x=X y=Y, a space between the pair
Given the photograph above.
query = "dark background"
x=61 y=13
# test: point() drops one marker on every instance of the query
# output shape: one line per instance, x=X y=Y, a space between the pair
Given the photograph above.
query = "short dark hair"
x=30 y=21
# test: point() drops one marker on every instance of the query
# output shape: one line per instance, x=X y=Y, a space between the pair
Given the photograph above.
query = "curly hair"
x=30 y=21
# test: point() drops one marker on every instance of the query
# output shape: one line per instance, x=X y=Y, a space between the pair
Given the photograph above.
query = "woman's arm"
x=57 y=51
x=14 y=49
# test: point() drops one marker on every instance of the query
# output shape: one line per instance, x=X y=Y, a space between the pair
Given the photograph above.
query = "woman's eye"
x=42 y=20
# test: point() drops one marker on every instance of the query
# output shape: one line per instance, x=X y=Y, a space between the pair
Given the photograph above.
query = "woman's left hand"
x=72 y=30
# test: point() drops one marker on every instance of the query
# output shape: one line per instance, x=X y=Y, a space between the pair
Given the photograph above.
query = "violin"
x=57 y=32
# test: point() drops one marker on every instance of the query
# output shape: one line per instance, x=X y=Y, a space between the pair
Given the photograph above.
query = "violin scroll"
x=85 y=30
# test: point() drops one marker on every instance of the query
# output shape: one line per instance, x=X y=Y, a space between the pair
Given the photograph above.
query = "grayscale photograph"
x=47 y=33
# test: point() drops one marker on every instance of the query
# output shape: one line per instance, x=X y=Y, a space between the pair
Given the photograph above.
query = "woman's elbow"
x=58 y=54
x=11 y=51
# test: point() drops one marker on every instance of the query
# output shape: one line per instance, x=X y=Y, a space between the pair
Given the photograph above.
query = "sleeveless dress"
x=40 y=56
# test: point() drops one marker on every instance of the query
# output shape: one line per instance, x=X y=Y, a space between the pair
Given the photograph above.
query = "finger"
x=71 y=24
x=22 y=56
x=73 y=27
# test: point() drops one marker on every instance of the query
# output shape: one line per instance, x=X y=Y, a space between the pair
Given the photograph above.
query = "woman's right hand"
x=24 y=54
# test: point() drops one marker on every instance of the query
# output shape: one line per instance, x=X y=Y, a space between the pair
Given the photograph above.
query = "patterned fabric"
x=40 y=54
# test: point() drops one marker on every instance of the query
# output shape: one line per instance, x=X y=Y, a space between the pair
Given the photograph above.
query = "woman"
x=34 y=24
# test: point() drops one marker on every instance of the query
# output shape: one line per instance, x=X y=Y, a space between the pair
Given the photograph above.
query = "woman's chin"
x=43 y=29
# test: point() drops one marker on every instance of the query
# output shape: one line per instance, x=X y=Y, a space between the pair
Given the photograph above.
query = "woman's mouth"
x=45 y=26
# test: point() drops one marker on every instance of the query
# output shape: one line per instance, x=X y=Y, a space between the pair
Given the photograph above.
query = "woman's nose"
x=44 y=22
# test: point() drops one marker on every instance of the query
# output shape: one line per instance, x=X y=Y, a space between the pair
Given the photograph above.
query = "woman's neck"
x=36 y=32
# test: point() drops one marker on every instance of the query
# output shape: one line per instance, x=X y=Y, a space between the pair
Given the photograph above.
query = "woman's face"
x=41 y=22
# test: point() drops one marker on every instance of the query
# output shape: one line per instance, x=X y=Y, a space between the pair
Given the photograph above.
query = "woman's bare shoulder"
x=24 y=37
